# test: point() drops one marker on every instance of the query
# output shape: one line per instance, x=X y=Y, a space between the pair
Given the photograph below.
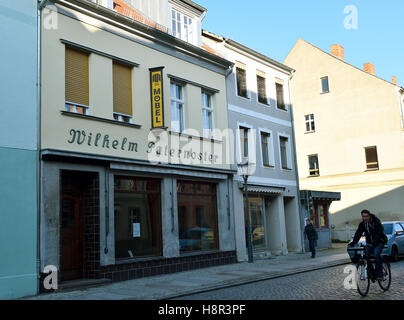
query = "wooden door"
x=71 y=238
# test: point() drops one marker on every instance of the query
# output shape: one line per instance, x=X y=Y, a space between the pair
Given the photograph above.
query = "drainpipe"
x=41 y=5
x=295 y=159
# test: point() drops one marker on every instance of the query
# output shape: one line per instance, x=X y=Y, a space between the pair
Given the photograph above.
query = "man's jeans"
x=312 y=245
x=376 y=250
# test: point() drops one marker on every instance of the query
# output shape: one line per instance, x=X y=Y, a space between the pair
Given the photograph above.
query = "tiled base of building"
x=135 y=270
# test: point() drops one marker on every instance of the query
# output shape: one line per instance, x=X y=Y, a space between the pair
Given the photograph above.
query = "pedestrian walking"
x=312 y=236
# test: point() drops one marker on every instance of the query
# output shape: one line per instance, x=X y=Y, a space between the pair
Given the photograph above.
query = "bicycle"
x=362 y=276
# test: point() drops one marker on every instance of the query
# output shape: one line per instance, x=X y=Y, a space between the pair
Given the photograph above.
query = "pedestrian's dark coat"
x=374 y=235
x=311 y=232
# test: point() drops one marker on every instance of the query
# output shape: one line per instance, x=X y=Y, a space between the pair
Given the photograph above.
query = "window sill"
x=314 y=176
x=264 y=104
x=325 y=92
x=245 y=98
x=190 y=136
x=287 y=169
x=119 y=261
x=88 y=117
x=370 y=170
x=308 y=132
x=281 y=109
x=269 y=166
x=198 y=253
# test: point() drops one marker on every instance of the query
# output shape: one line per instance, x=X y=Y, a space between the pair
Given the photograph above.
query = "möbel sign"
x=157 y=98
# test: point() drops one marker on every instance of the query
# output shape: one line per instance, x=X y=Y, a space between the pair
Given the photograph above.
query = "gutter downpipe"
x=41 y=5
x=295 y=159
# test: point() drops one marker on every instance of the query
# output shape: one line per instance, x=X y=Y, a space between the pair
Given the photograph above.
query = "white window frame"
x=240 y=157
x=309 y=122
x=181 y=116
x=208 y=133
x=185 y=33
x=271 y=153
x=289 y=161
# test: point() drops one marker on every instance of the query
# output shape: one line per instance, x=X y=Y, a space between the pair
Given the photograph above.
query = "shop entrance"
x=79 y=225
x=71 y=237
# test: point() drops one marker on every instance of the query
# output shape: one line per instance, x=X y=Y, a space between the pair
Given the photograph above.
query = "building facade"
x=349 y=135
x=260 y=115
x=135 y=181
x=18 y=149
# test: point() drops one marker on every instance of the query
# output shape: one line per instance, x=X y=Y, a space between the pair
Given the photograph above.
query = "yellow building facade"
x=349 y=135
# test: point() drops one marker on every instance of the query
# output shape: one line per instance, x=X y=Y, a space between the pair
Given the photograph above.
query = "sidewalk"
x=200 y=280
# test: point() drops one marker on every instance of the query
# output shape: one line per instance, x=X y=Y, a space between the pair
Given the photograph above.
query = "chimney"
x=369 y=68
x=394 y=80
x=338 y=51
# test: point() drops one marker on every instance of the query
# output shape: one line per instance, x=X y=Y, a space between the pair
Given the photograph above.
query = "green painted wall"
x=18 y=223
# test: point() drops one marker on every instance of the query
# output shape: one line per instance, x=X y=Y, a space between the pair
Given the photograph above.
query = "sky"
x=272 y=28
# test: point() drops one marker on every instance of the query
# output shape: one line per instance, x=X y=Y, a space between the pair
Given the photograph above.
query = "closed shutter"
x=76 y=74
x=122 y=79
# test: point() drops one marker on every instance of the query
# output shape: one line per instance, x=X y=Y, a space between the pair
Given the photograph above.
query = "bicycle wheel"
x=362 y=279
x=385 y=284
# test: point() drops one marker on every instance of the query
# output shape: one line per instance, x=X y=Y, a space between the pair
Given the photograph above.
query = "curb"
x=248 y=280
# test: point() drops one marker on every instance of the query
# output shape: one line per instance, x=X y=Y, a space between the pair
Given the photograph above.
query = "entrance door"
x=257 y=221
x=71 y=238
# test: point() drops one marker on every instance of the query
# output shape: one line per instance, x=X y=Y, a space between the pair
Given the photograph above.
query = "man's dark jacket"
x=375 y=235
x=311 y=232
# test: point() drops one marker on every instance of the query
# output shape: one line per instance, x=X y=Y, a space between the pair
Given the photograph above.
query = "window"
x=257 y=214
x=372 y=162
x=241 y=75
x=310 y=126
x=76 y=81
x=280 y=102
x=207 y=114
x=313 y=165
x=284 y=152
x=177 y=107
x=197 y=216
x=182 y=26
x=324 y=85
x=322 y=212
x=265 y=149
x=261 y=88
x=122 y=84
x=244 y=142
x=137 y=207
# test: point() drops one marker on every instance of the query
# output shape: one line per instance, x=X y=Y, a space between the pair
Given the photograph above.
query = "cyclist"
x=375 y=241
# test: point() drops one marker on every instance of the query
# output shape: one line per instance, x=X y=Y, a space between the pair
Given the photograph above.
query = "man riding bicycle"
x=375 y=241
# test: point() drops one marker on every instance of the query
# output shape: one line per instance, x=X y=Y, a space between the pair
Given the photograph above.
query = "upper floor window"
x=372 y=161
x=325 y=85
x=280 y=101
x=261 y=87
x=266 y=162
x=285 y=152
x=183 y=26
x=310 y=126
x=207 y=114
x=122 y=90
x=314 y=169
x=241 y=74
x=177 y=107
x=76 y=81
x=244 y=142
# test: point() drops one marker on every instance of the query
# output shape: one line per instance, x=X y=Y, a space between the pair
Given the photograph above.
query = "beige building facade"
x=349 y=135
x=133 y=181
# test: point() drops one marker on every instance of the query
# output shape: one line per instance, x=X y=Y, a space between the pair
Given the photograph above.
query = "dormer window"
x=183 y=26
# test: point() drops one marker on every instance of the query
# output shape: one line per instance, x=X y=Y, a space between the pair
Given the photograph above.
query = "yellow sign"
x=157 y=98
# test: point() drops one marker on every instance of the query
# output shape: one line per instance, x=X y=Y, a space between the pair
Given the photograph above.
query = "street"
x=325 y=284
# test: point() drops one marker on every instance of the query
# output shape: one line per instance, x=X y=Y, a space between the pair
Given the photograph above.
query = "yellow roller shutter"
x=122 y=89
x=77 y=77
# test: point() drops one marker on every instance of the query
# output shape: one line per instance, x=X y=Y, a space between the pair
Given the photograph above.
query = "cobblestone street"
x=325 y=284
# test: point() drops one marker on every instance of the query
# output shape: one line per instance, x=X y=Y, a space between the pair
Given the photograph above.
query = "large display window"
x=197 y=216
x=137 y=212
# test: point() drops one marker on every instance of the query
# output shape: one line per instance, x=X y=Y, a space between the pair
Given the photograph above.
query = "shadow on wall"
x=388 y=206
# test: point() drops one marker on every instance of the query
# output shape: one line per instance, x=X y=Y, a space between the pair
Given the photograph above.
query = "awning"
x=262 y=189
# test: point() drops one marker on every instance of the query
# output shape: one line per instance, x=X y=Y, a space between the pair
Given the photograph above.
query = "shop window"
x=257 y=221
x=319 y=214
x=197 y=216
x=137 y=208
